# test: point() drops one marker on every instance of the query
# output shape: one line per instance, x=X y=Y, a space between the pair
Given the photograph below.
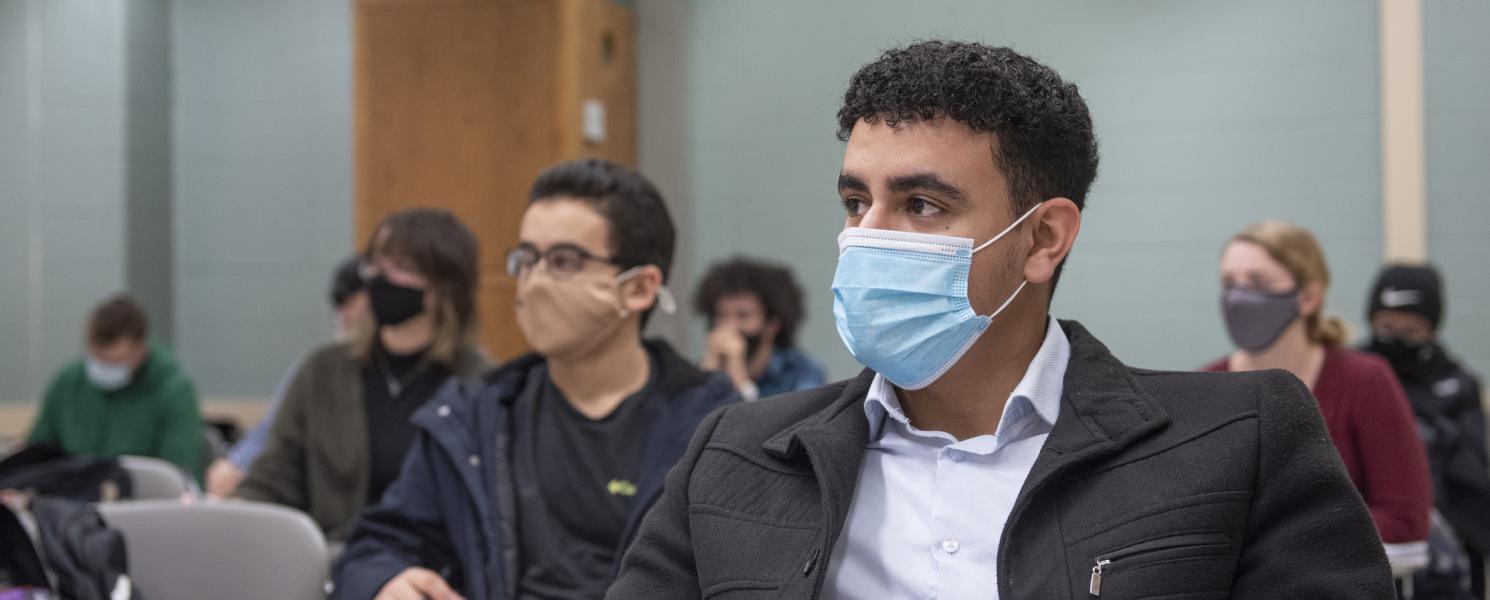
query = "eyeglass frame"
x=584 y=256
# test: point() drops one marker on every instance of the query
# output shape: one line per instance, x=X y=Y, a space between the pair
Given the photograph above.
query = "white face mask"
x=106 y=376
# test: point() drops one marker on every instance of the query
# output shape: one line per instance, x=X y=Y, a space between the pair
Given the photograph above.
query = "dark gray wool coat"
x=1193 y=485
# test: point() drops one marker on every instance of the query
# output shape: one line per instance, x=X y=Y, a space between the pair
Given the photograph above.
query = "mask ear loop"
x=666 y=302
x=1010 y=299
x=1006 y=230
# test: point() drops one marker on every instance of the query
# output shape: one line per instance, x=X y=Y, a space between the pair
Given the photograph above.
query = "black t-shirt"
x=393 y=387
x=576 y=481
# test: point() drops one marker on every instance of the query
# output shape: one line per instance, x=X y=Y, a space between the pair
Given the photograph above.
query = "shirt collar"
x=1038 y=391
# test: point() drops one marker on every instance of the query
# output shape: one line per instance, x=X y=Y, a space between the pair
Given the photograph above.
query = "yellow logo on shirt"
x=621 y=487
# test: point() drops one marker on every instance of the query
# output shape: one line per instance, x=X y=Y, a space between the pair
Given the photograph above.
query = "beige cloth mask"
x=561 y=317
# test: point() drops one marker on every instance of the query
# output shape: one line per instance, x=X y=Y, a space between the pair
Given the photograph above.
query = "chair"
x=1406 y=560
x=155 y=479
x=234 y=550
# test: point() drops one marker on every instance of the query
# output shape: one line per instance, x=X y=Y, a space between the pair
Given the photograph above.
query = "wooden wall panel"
x=461 y=103
x=597 y=60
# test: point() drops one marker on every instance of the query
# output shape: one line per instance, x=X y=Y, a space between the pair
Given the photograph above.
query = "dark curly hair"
x=773 y=284
x=1045 y=143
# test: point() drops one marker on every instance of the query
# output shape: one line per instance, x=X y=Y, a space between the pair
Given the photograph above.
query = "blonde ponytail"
x=1327 y=330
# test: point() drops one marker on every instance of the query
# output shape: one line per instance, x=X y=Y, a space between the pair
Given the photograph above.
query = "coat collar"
x=835 y=421
x=1106 y=406
x=1102 y=405
x=1103 y=410
x=834 y=441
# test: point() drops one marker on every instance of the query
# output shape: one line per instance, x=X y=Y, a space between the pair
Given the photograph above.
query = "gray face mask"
x=1255 y=318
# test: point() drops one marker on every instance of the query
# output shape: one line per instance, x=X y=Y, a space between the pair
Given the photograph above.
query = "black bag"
x=51 y=471
x=20 y=565
x=88 y=558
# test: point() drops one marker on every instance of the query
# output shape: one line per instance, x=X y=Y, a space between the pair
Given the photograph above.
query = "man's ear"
x=640 y=292
x=1054 y=229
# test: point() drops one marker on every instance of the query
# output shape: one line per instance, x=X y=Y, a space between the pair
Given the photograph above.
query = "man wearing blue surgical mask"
x=988 y=450
x=127 y=395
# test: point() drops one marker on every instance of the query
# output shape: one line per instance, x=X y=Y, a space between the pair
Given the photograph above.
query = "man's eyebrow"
x=930 y=182
x=849 y=182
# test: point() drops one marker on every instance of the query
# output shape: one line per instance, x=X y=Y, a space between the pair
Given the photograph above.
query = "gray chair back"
x=233 y=550
x=155 y=479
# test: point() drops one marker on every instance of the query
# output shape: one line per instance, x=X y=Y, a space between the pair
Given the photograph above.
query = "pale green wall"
x=1457 y=98
x=195 y=154
x=1210 y=114
x=68 y=181
x=262 y=128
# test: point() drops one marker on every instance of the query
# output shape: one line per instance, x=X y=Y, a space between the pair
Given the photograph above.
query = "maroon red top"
x=1372 y=425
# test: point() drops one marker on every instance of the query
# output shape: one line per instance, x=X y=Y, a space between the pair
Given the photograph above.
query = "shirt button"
x=950 y=546
x=444 y=410
x=956 y=455
x=474 y=460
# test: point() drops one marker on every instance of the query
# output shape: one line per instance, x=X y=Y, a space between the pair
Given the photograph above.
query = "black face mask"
x=392 y=303
x=1396 y=350
x=752 y=343
x=1408 y=359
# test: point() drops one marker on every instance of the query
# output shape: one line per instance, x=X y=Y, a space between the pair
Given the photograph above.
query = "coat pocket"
x=1173 y=548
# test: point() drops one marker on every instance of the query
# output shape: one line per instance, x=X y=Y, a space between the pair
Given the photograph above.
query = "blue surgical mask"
x=107 y=377
x=900 y=301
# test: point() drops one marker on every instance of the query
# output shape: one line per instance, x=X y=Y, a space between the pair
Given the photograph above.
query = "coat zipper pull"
x=1096 y=586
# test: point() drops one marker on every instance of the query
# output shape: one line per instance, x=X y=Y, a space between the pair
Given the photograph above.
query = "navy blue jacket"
x=452 y=508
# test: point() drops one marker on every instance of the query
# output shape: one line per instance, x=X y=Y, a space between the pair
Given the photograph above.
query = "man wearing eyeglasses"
x=531 y=482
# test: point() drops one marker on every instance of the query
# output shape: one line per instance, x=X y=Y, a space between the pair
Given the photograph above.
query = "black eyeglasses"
x=561 y=260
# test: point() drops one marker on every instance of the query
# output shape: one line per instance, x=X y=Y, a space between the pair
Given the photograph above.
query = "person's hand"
x=223 y=478
x=726 y=352
x=725 y=345
x=417 y=584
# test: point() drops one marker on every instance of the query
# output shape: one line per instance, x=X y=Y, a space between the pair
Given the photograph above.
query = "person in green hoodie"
x=125 y=396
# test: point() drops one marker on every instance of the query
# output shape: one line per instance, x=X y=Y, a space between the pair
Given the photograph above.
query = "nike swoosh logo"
x=1391 y=298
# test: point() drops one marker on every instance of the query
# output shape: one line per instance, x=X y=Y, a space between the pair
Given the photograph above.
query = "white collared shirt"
x=929 y=510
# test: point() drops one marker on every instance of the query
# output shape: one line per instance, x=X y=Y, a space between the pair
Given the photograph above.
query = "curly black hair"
x=1045 y=143
x=773 y=284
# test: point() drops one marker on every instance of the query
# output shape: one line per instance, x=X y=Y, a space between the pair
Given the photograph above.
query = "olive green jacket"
x=316 y=457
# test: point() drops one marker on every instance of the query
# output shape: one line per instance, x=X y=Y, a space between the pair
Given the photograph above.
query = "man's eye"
x=923 y=208
x=853 y=206
x=564 y=261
